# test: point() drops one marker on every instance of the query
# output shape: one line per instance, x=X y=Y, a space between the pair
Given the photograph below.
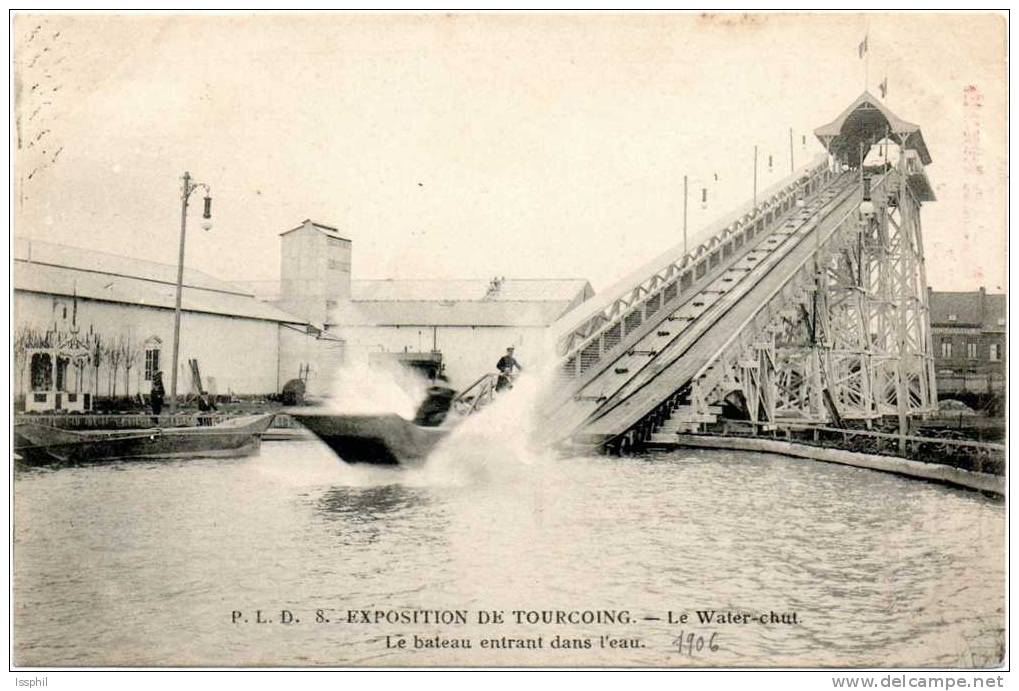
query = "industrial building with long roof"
x=469 y=321
x=241 y=344
x=250 y=343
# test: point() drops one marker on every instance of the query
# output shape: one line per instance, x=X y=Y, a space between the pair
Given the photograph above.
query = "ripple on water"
x=143 y=563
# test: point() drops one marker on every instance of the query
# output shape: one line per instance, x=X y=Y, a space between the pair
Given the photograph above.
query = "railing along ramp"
x=809 y=307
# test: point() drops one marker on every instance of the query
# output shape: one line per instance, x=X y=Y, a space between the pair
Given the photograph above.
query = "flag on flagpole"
x=862 y=49
x=883 y=86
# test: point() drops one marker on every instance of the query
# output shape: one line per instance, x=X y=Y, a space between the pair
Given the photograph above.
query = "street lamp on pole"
x=686 y=200
x=187 y=188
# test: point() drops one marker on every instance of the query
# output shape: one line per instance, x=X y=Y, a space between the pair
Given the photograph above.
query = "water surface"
x=144 y=563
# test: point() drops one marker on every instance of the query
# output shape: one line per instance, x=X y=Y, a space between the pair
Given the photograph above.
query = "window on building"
x=971 y=351
x=995 y=351
x=60 y=310
x=151 y=363
x=330 y=304
x=946 y=349
x=952 y=317
x=1001 y=322
x=152 y=346
x=62 y=364
x=42 y=372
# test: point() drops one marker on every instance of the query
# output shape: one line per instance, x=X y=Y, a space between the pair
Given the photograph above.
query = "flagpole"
x=866 y=64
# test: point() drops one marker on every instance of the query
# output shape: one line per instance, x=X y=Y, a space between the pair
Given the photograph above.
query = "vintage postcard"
x=634 y=340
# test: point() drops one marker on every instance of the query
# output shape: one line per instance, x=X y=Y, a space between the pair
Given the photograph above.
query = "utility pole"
x=862 y=154
x=685 y=199
x=755 y=176
x=792 y=163
x=185 y=194
x=187 y=188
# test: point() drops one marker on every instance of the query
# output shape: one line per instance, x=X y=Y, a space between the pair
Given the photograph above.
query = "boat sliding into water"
x=38 y=443
x=388 y=439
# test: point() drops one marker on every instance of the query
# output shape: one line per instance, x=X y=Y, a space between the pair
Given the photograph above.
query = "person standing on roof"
x=506 y=366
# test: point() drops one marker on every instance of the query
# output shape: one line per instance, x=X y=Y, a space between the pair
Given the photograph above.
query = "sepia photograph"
x=516 y=340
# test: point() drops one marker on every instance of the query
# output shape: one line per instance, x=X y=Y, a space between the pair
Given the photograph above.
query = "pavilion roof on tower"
x=867 y=121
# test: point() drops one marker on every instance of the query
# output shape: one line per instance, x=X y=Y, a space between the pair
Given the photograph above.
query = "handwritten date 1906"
x=692 y=643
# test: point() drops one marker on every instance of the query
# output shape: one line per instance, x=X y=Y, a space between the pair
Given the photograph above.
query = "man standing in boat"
x=506 y=366
x=158 y=393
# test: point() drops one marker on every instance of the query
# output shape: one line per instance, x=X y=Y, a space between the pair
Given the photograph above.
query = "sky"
x=473 y=146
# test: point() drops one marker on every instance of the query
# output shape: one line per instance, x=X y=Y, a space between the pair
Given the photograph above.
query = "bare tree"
x=114 y=357
x=130 y=352
x=24 y=338
x=20 y=353
x=95 y=351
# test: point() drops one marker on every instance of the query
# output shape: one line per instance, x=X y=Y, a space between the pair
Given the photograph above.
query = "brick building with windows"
x=969 y=331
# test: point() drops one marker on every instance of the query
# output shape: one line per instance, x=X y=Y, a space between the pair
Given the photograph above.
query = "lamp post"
x=189 y=186
x=792 y=160
x=755 y=177
x=686 y=199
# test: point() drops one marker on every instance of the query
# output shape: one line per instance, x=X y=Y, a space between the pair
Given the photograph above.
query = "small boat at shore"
x=36 y=443
x=388 y=439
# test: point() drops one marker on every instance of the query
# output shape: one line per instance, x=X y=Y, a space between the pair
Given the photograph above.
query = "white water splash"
x=497 y=444
x=377 y=389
